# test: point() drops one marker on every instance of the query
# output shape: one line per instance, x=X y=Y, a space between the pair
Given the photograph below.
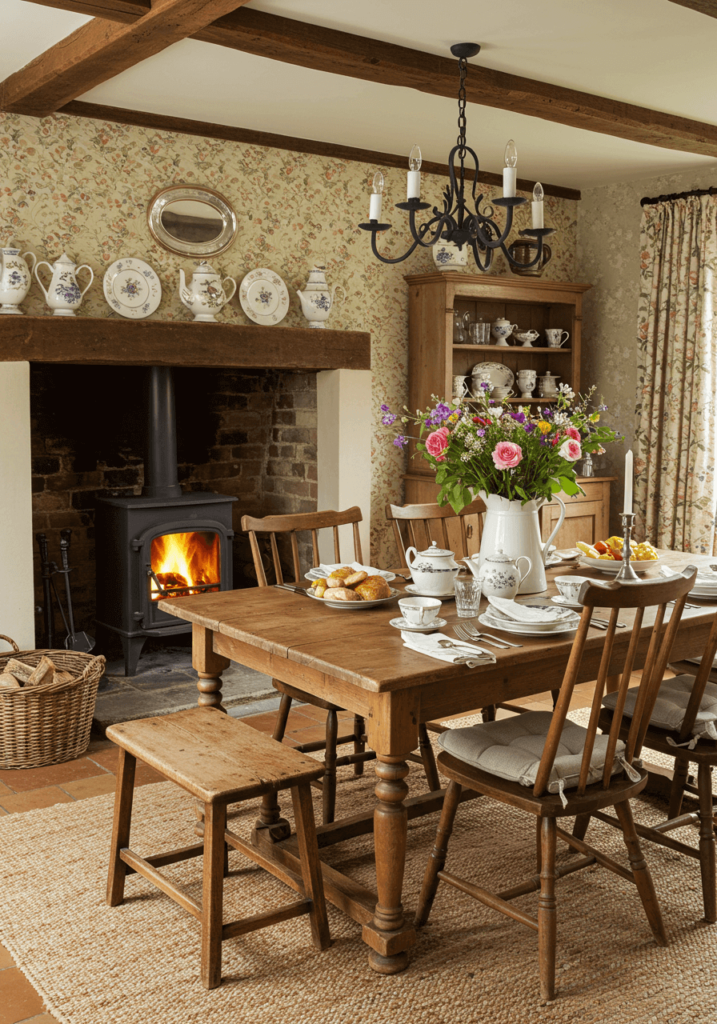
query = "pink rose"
x=572 y=432
x=437 y=442
x=507 y=455
x=570 y=450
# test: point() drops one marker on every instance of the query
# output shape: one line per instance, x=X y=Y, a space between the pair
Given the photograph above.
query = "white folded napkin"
x=704 y=582
x=427 y=643
x=356 y=566
x=517 y=612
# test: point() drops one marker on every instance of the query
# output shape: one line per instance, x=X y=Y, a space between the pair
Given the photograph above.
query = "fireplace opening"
x=184 y=563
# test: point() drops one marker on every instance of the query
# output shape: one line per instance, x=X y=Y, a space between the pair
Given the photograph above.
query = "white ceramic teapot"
x=433 y=570
x=63 y=294
x=499 y=575
x=316 y=299
x=15 y=279
x=206 y=294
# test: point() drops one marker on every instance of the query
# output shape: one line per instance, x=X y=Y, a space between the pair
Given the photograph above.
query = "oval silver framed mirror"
x=192 y=220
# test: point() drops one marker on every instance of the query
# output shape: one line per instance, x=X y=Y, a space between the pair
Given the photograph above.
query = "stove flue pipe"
x=160 y=465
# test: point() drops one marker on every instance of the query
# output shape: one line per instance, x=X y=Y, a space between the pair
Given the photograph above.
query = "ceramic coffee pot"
x=501 y=330
x=316 y=299
x=206 y=293
x=433 y=570
x=63 y=294
x=499 y=575
x=15 y=279
x=548 y=386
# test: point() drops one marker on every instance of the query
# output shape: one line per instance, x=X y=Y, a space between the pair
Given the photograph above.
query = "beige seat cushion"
x=671 y=704
x=511 y=748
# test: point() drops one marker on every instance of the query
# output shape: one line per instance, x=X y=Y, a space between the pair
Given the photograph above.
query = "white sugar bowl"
x=433 y=570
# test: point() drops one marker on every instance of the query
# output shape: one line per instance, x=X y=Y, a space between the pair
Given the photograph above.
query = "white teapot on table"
x=500 y=575
x=63 y=294
x=316 y=299
x=15 y=279
x=433 y=570
x=205 y=295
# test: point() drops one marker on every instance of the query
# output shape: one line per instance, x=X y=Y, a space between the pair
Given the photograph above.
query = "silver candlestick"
x=627 y=574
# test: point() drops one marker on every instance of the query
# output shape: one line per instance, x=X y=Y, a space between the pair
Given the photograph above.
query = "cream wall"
x=608 y=256
x=83 y=186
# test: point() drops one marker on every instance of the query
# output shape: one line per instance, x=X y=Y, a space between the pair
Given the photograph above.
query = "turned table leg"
x=208 y=666
x=388 y=935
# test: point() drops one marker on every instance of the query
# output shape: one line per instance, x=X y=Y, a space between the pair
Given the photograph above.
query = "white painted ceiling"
x=649 y=52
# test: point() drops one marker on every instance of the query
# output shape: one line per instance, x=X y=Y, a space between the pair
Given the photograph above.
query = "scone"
x=341 y=594
x=373 y=588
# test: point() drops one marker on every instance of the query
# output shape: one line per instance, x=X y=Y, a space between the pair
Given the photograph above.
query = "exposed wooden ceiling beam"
x=113 y=10
x=102 y=49
x=372 y=60
x=164 y=123
x=708 y=7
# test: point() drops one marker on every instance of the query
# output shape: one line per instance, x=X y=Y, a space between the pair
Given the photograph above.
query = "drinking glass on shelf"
x=467 y=591
x=460 y=327
x=479 y=332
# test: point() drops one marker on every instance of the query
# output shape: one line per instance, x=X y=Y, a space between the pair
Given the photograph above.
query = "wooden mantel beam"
x=102 y=49
x=708 y=7
x=372 y=60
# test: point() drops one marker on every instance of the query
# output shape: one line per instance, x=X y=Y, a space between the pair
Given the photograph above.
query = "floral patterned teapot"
x=206 y=294
x=63 y=294
x=500 y=575
x=316 y=299
x=15 y=279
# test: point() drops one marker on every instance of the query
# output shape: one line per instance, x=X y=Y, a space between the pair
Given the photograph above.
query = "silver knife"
x=288 y=586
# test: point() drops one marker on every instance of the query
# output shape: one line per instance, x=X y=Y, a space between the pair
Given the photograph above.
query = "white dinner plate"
x=431 y=627
x=411 y=588
x=315 y=574
x=612 y=568
x=264 y=297
x=569 y=554
x=499 y=375
x=132 y=288
x=507 y=627
x=355 y=605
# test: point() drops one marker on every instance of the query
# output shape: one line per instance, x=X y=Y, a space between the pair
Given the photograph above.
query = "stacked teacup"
x=526 y=382
x=499 y=393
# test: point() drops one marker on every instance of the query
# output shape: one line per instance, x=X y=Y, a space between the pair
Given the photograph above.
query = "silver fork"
x=463 y=634
x=475 y=634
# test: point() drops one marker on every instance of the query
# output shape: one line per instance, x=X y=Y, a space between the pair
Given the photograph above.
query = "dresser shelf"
x=511 y=348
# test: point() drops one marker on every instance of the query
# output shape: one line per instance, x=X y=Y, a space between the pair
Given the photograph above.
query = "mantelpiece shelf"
x=104 y=341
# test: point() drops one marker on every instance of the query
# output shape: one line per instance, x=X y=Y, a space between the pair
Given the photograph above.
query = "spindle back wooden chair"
x=597 y=772
x=686 y=744
x=419 y=525
x=292 y=525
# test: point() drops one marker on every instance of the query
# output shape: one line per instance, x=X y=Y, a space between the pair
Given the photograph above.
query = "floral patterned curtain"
x=676 y=439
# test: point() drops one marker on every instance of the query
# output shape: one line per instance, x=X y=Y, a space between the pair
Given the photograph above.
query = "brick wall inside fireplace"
x=247 y=433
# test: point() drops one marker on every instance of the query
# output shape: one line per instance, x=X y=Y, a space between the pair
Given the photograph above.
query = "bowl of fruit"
x=606 y=555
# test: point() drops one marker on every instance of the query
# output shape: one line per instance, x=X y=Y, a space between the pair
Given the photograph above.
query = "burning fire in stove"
x=185 y=563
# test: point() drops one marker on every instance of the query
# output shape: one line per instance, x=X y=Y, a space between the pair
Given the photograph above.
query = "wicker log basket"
x=48 y=723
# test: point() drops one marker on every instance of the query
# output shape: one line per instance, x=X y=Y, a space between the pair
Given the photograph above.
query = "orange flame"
x=187 y=561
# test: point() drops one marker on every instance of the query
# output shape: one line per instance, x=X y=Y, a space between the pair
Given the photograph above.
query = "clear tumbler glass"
x=467 y=590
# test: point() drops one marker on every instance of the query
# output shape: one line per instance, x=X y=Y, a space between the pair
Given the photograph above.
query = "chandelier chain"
x=462 y=123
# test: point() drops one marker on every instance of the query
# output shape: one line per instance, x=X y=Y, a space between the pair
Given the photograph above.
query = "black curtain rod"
x=679 y=195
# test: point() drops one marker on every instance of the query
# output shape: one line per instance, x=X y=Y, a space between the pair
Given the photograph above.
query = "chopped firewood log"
x=8 y=681
x=19 y=669
x=43 y=673
x=63 y=677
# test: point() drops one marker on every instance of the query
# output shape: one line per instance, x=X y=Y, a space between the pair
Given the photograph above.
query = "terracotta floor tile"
x=145 y=775
x=98 y=785
x=24 y=779
x=537 y=706
x=44 y=1018
x=580 y=700
x=18 y=999
x=2 y=811
x=309 y=711
x=6 y=959
x=33 y=800
x=107 y=757
x=5 y=790
x=310 y=735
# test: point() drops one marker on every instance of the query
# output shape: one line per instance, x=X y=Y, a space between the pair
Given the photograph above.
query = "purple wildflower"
x=519 y=417
x=389 y=419
x=401 y=441
x=481 y=432
x=543 y=440
x=441 y=412
x=529 y=427
x=491 y=401
x=485 y=385
x=385 y=408
x=547 y=414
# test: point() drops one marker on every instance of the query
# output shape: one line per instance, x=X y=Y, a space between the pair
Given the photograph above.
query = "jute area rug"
x=139 y=963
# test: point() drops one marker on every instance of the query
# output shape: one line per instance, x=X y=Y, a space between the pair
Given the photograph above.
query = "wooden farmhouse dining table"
x=355 y=659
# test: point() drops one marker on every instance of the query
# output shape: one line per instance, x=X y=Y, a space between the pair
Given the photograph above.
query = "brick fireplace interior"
x=250 y=434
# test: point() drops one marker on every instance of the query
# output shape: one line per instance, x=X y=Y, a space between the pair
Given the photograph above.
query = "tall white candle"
x=510 y=171
x=537 y=206
x=375 y=206
x=627 y=504
x=413 y=184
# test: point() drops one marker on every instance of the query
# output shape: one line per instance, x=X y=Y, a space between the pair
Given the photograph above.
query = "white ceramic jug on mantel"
x=63 y=294
x=316 y=299
x=205 y=295
x=15 y=279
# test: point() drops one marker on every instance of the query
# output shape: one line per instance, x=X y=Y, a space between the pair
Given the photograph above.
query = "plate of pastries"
x=347 y=588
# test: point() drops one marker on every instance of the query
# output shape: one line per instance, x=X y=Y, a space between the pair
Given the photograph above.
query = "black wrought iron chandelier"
x=456 y=222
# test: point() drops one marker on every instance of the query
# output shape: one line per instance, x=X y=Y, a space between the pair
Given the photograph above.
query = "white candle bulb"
x=627 y=504
x=413 y=188
x=537 y=206
x=510 y=171
x=376 y=197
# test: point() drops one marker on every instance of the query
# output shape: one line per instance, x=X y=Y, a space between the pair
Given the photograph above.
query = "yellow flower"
x=544 y=427
x=595 y=417
x=453 y=417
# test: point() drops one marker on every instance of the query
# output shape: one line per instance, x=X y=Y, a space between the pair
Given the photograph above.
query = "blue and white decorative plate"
x=264 y=297
x=132 y=288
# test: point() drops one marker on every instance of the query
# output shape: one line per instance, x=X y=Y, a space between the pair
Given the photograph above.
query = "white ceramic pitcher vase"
x=515 y=529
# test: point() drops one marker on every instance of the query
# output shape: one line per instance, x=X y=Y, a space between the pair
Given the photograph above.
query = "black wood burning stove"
x=162 y=543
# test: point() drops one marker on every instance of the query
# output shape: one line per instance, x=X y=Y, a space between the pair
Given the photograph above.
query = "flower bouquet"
x=481 y=446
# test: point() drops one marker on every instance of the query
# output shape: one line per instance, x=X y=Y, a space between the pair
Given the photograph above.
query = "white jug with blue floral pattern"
x=316 y=299
x=15 y=279
x=63 y=294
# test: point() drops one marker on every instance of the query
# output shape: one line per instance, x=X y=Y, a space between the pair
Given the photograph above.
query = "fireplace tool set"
x=74 y=641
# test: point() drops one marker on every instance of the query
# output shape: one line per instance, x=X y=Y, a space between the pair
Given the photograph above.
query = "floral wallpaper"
x=83 y=186
x=608 y=256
